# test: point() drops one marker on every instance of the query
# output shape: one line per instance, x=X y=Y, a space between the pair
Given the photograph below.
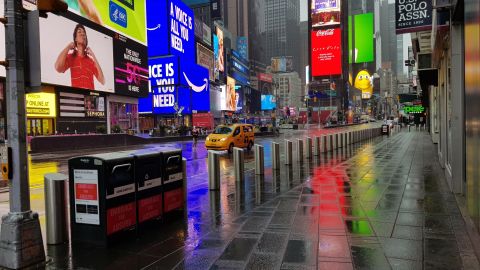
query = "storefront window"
x=124 y=116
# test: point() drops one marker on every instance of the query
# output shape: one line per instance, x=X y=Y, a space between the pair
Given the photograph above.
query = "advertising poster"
x=182 y=34
x=325 y=13
x=95 y=106
x=268 y=103
x=205 y=58
x=231 y=95
x=413 y=15
x=41 y=105
x=242 y=46
x=87 y=205
x=240 y=98
x=131 y=67
x=74 y=55
x=196 y=78
x=363 y=36
x=215 y=54
x=203 y=120
x=157 y=28
x=163 y=78
x=326 y=52
x=221 y=51
x=123 y=16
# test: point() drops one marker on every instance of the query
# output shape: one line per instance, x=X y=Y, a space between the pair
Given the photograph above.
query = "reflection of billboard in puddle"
x=325 y=12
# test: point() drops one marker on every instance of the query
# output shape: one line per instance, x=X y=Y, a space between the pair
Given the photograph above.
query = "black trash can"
x=172 y=180
x=148 y=180
x=102 y=197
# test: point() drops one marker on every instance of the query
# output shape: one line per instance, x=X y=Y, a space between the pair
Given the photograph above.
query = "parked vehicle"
x=227 y=137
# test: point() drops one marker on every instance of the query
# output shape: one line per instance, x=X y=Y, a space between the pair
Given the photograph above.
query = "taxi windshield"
x=222 y=130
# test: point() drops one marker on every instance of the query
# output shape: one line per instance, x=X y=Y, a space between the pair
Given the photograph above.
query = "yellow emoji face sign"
x=363 y=82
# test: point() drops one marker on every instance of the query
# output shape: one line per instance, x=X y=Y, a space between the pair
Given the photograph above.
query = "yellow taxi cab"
x=227 y=137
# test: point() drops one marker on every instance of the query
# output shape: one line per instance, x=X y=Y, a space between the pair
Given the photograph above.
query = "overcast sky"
x=303 y=10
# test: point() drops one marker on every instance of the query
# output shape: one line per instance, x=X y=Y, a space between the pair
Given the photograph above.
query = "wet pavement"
x=379 y=204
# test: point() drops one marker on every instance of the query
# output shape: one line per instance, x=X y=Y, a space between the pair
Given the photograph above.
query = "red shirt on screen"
x=82 y=70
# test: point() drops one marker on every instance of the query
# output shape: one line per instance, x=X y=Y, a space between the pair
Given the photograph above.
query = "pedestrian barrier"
x=300 y=150
x=309 y=149
x=213 y=170
x=55 y=208
x=238 y=162
x=288 y=152
x=275 y=156
x=259 y=160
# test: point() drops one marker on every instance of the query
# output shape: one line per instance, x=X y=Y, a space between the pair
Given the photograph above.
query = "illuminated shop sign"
x=413 y=15
x=41 y=105
x=414 y=109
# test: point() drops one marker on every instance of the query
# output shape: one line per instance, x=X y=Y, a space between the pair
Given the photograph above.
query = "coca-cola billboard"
x=326 y=54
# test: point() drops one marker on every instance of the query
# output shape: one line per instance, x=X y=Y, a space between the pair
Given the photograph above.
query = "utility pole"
x=21 y=242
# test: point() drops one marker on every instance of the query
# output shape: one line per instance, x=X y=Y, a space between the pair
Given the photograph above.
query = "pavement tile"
x=239 y=249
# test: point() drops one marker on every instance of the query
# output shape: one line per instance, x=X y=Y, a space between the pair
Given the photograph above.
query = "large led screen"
x=268 y=102
x=325 y=13
x=123 y=16
x=196 y=78
x=231 y=95
x=221 y=50
x=326 y=52
x=157 y=28
x=363 y=38
x=75 y=55
x=182 y=33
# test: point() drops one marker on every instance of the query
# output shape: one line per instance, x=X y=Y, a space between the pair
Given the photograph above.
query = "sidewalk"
x=382 y=204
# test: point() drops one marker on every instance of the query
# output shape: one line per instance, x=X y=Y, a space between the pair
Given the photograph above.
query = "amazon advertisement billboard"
x=196 y=78
x=176 y=87
x=170 y=29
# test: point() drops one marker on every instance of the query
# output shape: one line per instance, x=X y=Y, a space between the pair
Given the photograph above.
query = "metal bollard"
x=344 y=139
x=259 y=160
x=329 y=142
x=300 y=150
x=309 y=148
x=238 y=161
x=275 y=156
x=334 y=144
x=323 y=144
x=288 y=152
x=213 y=171
x=316 y=146
x=56 y=208
x=185 y=189
x=349 y=137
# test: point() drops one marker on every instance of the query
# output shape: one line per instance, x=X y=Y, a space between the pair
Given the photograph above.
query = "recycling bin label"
x=86 y=197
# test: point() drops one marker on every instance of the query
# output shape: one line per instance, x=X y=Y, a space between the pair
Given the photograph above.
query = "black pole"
x=21 y=242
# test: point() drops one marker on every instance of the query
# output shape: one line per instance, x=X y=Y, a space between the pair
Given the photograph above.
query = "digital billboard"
x=196 y=78
x=325 y=13
x=123 y=16
x=326 y=54
x=221 y=50
x=164 y=78
x=131 y=67
x=157 y=28
x=75 y=55
x=242 y=46
x=363 y=38
x=216 y=55
x=268 y=103
x=182 y=34
x=230 y=95
x=240 y=98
